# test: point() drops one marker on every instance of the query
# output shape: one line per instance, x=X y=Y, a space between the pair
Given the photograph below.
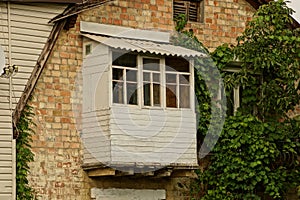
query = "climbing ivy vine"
x=24 y=154
x=257 y=154
x=206 y=82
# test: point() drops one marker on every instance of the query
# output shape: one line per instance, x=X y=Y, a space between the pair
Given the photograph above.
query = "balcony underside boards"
x=101 y=170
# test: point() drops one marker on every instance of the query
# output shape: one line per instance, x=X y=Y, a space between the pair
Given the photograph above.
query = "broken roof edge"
x=78 y=8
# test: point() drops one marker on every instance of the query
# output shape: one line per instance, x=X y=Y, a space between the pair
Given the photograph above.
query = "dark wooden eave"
x=257 y=3
x=45 y=1
x=78 y=8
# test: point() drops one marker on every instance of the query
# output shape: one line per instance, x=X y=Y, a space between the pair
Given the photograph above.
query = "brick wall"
x=224 y=20
x=56 y=172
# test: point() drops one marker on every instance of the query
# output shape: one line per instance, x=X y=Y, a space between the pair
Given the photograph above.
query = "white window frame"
x=140 y=82
x=125 y=83
x=178 y=74
x=236 y=91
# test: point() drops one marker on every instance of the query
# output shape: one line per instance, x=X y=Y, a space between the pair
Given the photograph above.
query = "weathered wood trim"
x=94 y=170
x=101 y=172
x=37 y=71
x=184 y=173
x=78 y=8
x=46 y=1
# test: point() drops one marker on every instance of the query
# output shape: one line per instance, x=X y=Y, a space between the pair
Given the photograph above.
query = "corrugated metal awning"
x=145 y=46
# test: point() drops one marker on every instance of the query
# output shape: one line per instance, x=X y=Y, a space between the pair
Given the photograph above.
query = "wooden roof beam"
x=46 y=1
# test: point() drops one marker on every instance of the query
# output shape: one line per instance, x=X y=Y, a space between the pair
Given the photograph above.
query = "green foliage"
x=206 y=77
x=24 y=154
x=271 y=49
x=256 y=155
x=253 y=158
x=222 y=56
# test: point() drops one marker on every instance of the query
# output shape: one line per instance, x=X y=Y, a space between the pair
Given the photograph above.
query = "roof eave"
x=46 y=1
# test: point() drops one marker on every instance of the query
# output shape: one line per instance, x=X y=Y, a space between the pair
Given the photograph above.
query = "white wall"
x=127 y=194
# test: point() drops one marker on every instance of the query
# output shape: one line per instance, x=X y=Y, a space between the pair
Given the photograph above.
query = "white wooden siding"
x=96 y=114
x=164 y=136
x=95 y=137
x=118 y=134
x=27 y=29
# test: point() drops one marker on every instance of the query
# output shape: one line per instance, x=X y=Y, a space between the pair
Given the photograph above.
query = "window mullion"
x=124 y=86
x=140 y=81
x=163 y=97
x=192 y=85
x=177 y=90
x=151 y=89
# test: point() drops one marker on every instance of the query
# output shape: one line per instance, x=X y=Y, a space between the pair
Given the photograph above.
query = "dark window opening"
x=192 y=9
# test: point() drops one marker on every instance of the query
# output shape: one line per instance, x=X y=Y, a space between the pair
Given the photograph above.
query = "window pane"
x=117 y=92
x=147 y=101
x=171 y=78
x=171 y=96
x=88 y=49
x=131 y=75
x=156 y=77
x=184 y=96
x=151 y=64
x=230 y=103
x=184 y=79
x=124 y=59
x=146 y=76
x=177 y=64
x=156 y=94
x=132 y=93
x=117 y=74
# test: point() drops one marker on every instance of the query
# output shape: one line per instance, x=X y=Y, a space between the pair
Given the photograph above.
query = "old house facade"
x=64 y=168
x=24 y=30
x=86 y=96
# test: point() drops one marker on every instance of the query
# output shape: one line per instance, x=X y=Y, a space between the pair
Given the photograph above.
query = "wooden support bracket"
x=101 y=172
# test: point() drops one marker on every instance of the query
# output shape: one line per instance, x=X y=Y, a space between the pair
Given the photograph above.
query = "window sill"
x=149 y=108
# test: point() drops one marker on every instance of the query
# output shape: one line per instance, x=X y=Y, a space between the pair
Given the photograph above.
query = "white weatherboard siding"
x=149 y=136
x=96 y=114
x=24 y=30
x=29 y=33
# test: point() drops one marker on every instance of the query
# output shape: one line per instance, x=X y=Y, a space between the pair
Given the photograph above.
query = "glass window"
x=125 y=81
x=151 y=82
x=177 y=82
x=124 y=75
x=124 y=59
